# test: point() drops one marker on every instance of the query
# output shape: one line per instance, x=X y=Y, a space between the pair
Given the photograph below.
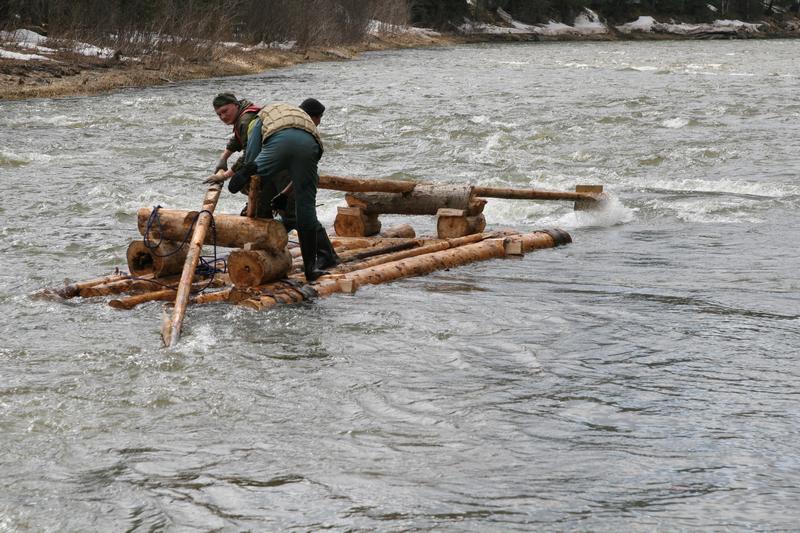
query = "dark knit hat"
x=224 y=99
x=313 y=107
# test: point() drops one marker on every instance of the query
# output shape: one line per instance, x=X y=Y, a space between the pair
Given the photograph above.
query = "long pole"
x=339 y=183
x=171 y=330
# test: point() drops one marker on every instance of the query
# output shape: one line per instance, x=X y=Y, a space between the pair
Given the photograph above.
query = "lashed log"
x=414 y=266
x=248 y=268
x=232 y=231
x=338 y=183
x=409 y=251
x=425 y=199
x=166 y=258
x=74 y=289
x=164 y=295
x=171 y=327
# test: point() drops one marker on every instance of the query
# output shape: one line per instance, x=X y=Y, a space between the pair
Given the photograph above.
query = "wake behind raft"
x=263 y=271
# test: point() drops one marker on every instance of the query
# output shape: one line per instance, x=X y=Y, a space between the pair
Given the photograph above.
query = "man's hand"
x=222 y=164
x=279 y=202
x=216 y=178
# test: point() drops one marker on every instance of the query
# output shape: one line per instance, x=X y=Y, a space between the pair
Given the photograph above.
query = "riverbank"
x=67 y=72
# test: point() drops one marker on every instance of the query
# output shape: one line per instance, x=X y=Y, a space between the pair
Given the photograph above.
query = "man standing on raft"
x=290 y=142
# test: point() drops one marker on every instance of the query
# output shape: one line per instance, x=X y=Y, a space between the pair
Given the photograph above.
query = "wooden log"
x=357 y=243
x=401 y=230
x=418 y=265
x=433 y=246
x=74 y=289
x=586 y=204
x=253 y=193
x=163 y=294
x=249 y=268
x=354 y=222
x=171 y=326
x=425 y=199
x=232 y=231
x=339 y=183
x=166 y=258
x=532 y=194
x=451 y=223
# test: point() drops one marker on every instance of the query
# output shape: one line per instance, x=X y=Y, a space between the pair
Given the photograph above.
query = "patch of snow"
x=736 y=24
x=26 y=37
x=377 y=27
x=589 y=22
x=274 y=45
x=711 y=8
x=643 y=24
x=22 y=57
x=649 y=24
x=586 y=23
x=91 y=50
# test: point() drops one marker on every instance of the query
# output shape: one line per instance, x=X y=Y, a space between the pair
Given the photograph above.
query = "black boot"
x=326 y=255
x=308 y=249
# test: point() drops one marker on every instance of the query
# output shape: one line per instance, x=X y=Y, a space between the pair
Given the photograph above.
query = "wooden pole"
x=171 y=330
x=338 y=183
x=253 y=193
x=533 y=194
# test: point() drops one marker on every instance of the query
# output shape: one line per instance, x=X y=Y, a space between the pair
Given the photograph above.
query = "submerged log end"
x=596 y=197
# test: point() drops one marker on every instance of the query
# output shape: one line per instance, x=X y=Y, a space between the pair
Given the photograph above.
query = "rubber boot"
x=326 y=255
x=308 y=249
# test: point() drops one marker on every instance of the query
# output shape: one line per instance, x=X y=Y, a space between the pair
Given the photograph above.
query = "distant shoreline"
x=71 y=74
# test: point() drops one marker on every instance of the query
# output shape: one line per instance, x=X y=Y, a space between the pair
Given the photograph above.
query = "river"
x=642 y=378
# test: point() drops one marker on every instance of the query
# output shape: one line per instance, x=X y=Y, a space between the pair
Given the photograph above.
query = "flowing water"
x=644 y=377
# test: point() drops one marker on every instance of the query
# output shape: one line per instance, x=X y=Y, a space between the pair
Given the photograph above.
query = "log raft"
x=163 y=267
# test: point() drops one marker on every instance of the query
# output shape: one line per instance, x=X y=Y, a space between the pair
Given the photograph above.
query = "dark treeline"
x=141 y=26
x=446 y=13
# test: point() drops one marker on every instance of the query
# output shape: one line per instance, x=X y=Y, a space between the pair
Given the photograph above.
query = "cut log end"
x=250 y=268
x=166 y=258
x=354 y=222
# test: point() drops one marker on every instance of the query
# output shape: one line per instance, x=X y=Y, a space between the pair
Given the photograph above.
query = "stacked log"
x=248 y=268
x=229 y=231
x=167 y=257
x=355 y=222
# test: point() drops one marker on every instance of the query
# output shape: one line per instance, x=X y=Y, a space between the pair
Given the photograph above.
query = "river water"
x=644 y=377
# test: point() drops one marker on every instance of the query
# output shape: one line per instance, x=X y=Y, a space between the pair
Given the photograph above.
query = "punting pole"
x=171 y=326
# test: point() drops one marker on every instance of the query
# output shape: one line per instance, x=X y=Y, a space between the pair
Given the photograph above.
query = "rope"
x=204 y=268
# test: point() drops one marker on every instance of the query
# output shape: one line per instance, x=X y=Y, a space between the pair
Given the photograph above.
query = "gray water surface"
x=643 y=377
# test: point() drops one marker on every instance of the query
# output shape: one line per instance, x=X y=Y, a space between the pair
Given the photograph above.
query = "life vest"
x=251 y=108
x=277 y=117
